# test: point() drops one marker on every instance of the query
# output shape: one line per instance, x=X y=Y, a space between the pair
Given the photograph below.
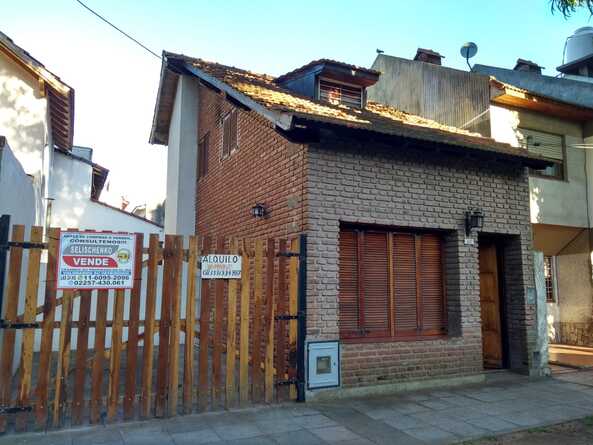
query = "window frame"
x=338 y=82
x=203 y=155
x=392 y=334
x=553 y=279
x=233 y=146
x=563 y=172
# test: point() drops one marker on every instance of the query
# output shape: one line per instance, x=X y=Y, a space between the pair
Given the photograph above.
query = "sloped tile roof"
x=375 y=117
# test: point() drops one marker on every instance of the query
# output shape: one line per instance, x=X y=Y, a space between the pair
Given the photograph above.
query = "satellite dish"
x=468 y=50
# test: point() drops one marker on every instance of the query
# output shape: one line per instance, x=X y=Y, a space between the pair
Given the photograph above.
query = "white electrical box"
x=324 y=364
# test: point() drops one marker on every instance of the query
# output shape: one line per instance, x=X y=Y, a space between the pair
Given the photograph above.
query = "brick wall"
x=380 y=185
x=266 y=168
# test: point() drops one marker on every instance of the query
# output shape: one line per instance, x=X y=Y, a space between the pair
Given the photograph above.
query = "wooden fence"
x=213 y=344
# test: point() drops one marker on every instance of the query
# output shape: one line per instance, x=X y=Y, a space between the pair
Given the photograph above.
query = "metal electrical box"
x=323 y=364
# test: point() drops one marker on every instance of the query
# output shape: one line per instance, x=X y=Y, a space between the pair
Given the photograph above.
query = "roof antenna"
x=379 y=51
x=468 y=50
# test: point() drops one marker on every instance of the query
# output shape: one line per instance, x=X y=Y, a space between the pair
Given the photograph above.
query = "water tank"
x=580 y=44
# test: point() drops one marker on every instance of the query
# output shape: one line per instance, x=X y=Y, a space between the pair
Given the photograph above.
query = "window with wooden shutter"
x=203 y=148
x=548 y=145
x=229 y=133
x=391 y=284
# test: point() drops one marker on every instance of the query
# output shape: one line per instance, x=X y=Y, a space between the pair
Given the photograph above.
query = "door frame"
x=499 y=242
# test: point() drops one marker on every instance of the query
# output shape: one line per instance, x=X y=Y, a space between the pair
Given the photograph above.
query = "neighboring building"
x=382 y=196
x=37 y=120
x=547 y=115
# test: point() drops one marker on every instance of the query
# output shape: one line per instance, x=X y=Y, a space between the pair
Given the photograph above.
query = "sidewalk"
x=504 y=403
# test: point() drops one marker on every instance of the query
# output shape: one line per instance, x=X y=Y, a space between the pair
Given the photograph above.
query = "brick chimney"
x=527 y=65
x=428 y=56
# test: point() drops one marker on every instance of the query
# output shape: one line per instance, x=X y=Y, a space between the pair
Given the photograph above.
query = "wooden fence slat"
x=256 y=371
x=134 y=316
x=61 y=378
x=269 y=320
x=190 y=320
x=82 y=343
x=244 y=329
x=203 y=385
x=164 y=328
x=10 y=314
x=97 y=374
x=151 y=289
x=217 y=391
x=29 y=334
x=175 y=325
x=281 y=309
x=231 y=339
x=114 y=364
x=293 y=286
x=47 y=330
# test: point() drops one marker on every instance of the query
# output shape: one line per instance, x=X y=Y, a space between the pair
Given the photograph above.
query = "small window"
x=203 y=149
x=550 y=277
x=338 y=93
x=229 y=133
x=548 y=145
x=391 y=284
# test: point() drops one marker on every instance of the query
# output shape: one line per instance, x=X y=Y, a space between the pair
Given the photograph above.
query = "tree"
x=569 y=7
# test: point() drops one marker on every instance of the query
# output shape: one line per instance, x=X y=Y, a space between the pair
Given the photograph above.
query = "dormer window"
x=337 y=93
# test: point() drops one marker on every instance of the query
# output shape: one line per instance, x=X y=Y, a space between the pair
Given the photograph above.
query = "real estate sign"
x=221 y=266
x=96 y=260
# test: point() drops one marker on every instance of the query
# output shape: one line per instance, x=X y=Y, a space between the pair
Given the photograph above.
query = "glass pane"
x=324 y=365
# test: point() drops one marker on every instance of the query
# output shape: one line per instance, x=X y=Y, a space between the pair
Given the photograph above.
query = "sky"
x=116 y=81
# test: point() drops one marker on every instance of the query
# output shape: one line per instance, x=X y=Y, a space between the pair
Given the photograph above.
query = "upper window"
x=229 y=133
x=339 y=93
x=391 y=284
x=203 y=148
x=550 y=277
x=548 y=145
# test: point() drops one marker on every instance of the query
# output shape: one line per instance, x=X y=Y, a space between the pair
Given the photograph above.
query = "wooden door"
x=490 y=307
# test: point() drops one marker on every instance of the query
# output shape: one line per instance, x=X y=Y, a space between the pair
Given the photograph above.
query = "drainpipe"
x=302 y=320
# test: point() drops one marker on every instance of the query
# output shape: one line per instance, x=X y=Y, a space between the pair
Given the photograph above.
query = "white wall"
x=552 y=201
x=182 y=160
x=72 y=207
x=17 y=194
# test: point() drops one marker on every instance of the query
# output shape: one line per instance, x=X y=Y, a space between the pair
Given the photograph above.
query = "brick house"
x=382 y=195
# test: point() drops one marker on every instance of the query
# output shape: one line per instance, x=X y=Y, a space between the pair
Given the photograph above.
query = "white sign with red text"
x=221 y=266
x=96 y=260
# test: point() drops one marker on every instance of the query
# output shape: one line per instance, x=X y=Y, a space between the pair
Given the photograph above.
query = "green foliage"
x=569 y=7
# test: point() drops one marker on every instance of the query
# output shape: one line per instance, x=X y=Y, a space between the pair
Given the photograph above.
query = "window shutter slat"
x=404 y=270
x=348 y=291
x=544 y=144
x=375 y=281
x=431 y=280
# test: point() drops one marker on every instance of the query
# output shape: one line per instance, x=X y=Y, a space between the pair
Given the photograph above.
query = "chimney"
x=527 y=65
x=428 y=56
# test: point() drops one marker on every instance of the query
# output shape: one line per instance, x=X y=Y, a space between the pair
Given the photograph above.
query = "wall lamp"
x=259 y=210
x=474 y=219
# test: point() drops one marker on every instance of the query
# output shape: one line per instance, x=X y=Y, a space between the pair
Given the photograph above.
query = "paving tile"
x=61 y=438
x=334 y=434
x=300 y=437
x=233 y=431
x=278 y=426
x=436 y=404
x=148 y=438
x=409 y=408
x=380 y=413
x=205 y=436
x=524 y=419
x=402 y=422
x=99 y=437
x=432 y=435
x=493 y=424
x=463 y=429
x=316 y=421
x=261 y=440
x=186 y=424
x=465 y=413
